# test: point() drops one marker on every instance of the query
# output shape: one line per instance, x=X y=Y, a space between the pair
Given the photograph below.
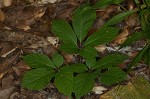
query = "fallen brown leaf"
x=5 y=94
x=6 y=65
x=7 y=81
x=132 y=20
x=107 y=13
x=121 y=37
x=2 y=16
x=66 y=14
x=69 y=58
x=49 y=50
x=14 y=95
x=20 y=68
x=98 y=23
x=4 y=48
x=25 y=17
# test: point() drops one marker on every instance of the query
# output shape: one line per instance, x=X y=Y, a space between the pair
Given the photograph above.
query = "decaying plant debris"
x=25 y=28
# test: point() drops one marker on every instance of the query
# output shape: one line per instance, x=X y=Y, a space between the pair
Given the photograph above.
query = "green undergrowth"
x=76 y=80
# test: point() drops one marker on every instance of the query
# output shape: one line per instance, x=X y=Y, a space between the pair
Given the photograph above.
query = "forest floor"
x=25 y=28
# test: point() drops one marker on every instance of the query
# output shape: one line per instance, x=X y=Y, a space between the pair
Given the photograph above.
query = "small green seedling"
x=77 y=79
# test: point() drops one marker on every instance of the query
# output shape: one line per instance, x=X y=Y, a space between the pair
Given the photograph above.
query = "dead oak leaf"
x=121 y=37
x=25 y=17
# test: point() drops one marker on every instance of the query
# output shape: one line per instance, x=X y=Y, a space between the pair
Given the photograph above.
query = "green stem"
x=123 y=7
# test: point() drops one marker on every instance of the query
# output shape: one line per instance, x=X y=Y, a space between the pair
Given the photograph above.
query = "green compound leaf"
x=83 y=18
x=64 y=80
x=104 y=3
x=90 y=62
x=118 y=18
x=103 y=35
x=88 y=52
x=37 y=79
x=64 y=31
x=134 y=37
x=109 y=61
x=37 y=60
x=112 y=76
x=69 y=48
x=57 y=59
x=83 y=84
x=78 y=68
